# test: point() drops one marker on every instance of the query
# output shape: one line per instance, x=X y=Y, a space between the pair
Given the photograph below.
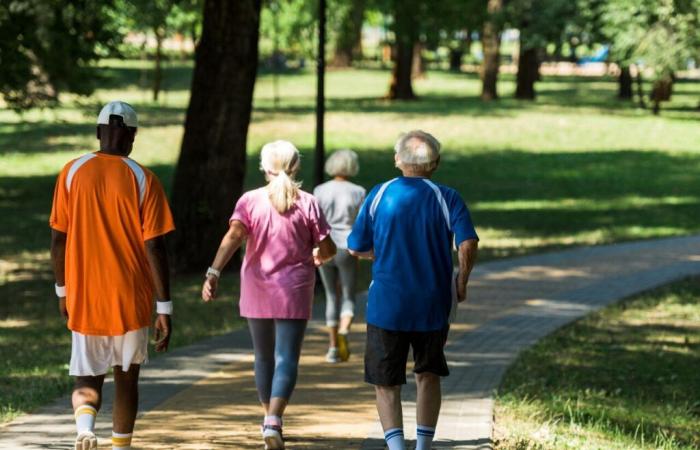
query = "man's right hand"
x=209 y=288
x=62 y=308
x=163 y=328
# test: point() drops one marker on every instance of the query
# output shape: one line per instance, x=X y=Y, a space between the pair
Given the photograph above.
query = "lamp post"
x=319 y=154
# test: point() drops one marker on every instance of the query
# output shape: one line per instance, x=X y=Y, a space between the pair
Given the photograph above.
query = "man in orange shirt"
x=108 y=222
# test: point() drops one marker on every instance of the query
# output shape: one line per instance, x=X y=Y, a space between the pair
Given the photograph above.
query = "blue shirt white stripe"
x=411 y=224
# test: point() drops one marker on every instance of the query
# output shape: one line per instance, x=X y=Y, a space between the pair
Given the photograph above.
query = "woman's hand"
x=211 y=283
x=324 y=252
x=317 y=257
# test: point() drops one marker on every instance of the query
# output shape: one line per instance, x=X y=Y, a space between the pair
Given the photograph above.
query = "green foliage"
x=540 y=22
x=660 y=34
x=164 y=17
x=292 y=23
x=48 y=47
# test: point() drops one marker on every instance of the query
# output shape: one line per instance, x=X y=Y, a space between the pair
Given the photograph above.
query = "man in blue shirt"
x=408 y=225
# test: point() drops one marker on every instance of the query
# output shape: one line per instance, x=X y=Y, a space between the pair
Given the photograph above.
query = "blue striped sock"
x=424 y=437
x=394 y=439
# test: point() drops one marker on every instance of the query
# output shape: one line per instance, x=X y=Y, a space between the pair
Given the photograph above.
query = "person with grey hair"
x=408 y=226
x=340 y=201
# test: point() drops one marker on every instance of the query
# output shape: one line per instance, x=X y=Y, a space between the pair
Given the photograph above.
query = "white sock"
x=121 y=441
x=85 y=418
x=424 y=437
x=394 y=439
x=273 y=420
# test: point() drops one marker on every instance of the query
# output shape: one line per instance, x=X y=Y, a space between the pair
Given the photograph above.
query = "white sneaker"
x=273 y=438
x=332 y=355
x=86 y=440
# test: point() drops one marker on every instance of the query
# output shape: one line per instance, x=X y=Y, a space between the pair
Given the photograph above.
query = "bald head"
x=417 y=153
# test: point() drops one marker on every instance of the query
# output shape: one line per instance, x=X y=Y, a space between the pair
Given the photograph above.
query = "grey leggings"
x=344 y=267
x=277 y=345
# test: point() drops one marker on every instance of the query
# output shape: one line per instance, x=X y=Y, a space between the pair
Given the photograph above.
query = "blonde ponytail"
x=280 y=162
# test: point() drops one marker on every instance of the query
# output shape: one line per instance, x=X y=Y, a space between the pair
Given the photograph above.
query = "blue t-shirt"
x=411 y=223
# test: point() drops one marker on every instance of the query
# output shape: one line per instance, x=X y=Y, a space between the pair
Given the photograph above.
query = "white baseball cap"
x=118 y=108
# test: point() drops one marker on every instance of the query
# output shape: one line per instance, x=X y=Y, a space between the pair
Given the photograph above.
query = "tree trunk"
x=528 y=73
x=418 y=63
x=157 y=70
x=211 y=168
x=491 y=43
x=401 y=87
x=661 y=92
x=468 y=43
x=624 y=83
x=456 y=59
x=640 y=88
x=349 y=43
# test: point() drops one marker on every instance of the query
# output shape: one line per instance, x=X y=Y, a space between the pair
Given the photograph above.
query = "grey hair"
x=418 y=150
x=343 y=163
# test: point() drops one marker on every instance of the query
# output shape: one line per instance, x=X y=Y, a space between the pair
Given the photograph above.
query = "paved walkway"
x=202 y=396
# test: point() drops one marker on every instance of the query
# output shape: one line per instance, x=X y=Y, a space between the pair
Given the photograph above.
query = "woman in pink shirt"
x=287 y=236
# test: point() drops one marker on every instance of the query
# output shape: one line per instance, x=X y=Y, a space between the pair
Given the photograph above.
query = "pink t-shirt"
x=278 y=273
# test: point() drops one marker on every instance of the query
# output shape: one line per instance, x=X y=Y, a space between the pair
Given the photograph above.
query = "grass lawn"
x=623 y=378
x=576 y=167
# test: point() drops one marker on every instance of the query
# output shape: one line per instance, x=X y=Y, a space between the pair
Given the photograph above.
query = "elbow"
x=155 y=245
x=58 y=239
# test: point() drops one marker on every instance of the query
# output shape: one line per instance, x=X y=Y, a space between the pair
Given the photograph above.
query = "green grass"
x=623 y=378
x=576 y=167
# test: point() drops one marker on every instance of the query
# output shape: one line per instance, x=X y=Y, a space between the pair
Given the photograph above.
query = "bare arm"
x=363 y=255
x=326 y=250
x=467 y=256
x=232 y=241
x=58 y=260
x=157 y=256
x=158 y=261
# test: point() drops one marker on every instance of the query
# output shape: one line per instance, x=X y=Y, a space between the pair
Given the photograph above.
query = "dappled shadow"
x=325 y=394
x=616 y=372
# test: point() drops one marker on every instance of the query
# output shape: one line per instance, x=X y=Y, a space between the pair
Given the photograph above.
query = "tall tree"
x=49 y=46
x=405 y=27
x=348 y=42
x=491 y=43
x=540 y=22
x=211 y=168
x=657 y=35
x=161 y=19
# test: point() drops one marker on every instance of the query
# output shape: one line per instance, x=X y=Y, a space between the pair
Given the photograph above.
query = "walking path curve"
x=203 y=396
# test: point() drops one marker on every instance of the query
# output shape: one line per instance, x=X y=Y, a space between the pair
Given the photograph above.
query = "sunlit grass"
x=623 y=378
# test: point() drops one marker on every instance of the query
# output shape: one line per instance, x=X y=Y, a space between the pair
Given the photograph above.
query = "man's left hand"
x=62 y=308
x=163 y=327
x=461 y=289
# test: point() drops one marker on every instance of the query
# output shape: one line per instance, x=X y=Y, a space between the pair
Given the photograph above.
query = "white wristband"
x=164 y=307
x=213 y=271
x=60 y=291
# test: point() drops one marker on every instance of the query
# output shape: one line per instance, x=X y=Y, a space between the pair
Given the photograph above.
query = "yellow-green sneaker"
x=343 y=347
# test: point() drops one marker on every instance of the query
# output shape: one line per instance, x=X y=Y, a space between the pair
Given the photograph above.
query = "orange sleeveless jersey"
x=108 y=206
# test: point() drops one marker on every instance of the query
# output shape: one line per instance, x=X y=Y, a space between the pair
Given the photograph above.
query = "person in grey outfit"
x=340 y=201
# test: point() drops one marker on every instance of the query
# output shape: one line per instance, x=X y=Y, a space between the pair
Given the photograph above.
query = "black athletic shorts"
x=386 y=354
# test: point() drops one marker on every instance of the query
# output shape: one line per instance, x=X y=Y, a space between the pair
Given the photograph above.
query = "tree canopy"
x=48 y=47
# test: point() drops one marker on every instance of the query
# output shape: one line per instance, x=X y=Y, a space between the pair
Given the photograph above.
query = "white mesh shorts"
x=94 y=355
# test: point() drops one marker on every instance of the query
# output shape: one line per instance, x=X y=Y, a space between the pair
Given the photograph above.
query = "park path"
x=202 y=396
